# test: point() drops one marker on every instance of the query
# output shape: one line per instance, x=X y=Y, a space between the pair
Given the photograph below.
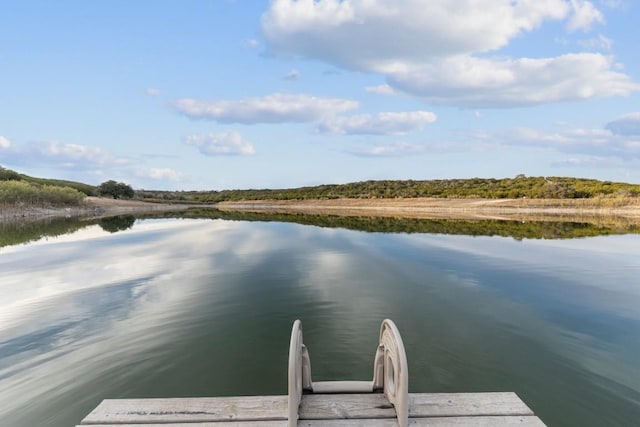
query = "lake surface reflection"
x=188 y=307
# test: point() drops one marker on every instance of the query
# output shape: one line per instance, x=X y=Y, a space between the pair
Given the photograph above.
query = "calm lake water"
x=204 y=307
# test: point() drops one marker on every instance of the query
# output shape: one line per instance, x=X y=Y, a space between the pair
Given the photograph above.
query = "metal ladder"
x=390 y=373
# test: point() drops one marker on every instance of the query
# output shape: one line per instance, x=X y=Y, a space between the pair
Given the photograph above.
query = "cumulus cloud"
x=396 y=149
x=381 y=35
x=626 y=125
x=275 y=108
x=585 y=14
x=161 y=174
x=480 y=82
x=379 y=124
x=70 y=156
x=432 y=48
x=221 y=144
x=4 y=142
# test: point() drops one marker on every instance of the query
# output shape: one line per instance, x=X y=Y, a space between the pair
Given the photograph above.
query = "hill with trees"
x=17 y=189
x=487 y=188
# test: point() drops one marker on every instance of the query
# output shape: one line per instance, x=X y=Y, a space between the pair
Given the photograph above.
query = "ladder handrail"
x=391 y=370
x=299 y=375
x=390 y=373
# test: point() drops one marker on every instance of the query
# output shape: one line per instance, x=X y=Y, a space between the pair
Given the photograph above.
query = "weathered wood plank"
x=497 y=421
x=321 y=387
x=507 y=421
x=313 y=407
x=202 y=409
x=466 y=404
x=338 y=406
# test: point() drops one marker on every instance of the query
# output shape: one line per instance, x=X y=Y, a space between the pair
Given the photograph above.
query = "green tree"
x=9 y=175
x=117 y=190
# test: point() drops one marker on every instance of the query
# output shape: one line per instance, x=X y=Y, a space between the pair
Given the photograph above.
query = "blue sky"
x=224 y=94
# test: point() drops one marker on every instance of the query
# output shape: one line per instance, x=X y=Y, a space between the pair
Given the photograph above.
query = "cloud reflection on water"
x=69 y=298
x=93 y=313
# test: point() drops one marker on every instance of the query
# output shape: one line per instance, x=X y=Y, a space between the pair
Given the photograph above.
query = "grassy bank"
x=26 y=194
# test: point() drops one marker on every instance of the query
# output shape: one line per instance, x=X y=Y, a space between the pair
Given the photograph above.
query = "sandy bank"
x=507 y=209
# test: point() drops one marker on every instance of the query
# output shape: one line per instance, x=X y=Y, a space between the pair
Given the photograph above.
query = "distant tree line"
x=487 y=188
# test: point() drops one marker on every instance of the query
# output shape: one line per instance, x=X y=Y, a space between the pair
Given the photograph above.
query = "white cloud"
x=381 y=35
x=4 y=142
x=597 y=43
x=152 y=91
x=431 y=48
x=384 y=89
x=83 y=163
x=584 y=15
x=396 y=149
x=69 y=156
x=292 y=75
x=380 y=124
x=628 y=124
x=161 y=174
x=476 y=82
x=220 y=144
x=588 y=147
x=275 y=108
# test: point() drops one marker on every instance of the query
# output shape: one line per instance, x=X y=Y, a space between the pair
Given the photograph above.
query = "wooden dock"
x=382 y=402
x=331 y=410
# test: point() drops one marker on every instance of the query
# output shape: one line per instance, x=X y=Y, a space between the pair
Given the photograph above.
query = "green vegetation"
x=23 y=193
x=489 y=188
x=486 y=188
x=10 y=175
x=116 y=190
x=22 y=190
x=86 y=189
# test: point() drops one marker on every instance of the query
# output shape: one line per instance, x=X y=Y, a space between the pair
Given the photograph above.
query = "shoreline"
x=589 y=210
x=89 y=208
x=438 y=208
